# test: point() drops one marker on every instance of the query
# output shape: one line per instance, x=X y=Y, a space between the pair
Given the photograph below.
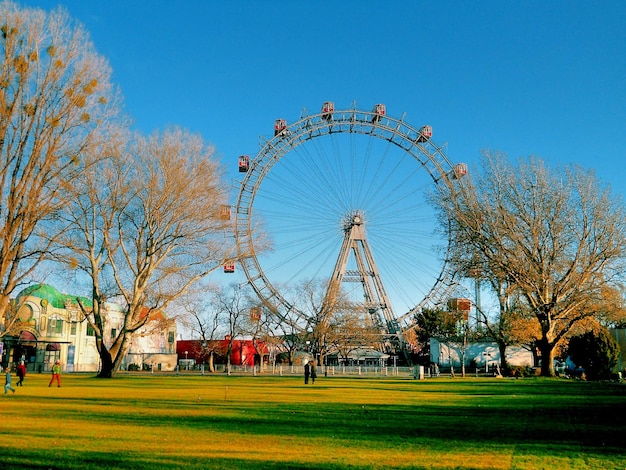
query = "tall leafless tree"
x=288 y=330
x=56 y=104
x=206 y=324
x=146 y=225
x=311 y=299
x=232 y=303
x=556 y=235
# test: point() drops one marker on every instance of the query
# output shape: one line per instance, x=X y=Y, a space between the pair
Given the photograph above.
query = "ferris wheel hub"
x=352 y=219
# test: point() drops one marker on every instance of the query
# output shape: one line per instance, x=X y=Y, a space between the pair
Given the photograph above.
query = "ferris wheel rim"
x=309 y=127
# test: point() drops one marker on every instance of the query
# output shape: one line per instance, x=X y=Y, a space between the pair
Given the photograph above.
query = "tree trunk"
x=106 y=366
x=229 y=351
x=547 y=358
x=110 y=363
x=211 y=361
x=504 y=366
x=463 y=362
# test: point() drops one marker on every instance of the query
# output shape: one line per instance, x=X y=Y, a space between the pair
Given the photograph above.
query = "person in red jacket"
x=21 y=373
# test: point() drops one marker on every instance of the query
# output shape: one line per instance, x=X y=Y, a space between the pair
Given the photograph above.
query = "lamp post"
x=186 y=360
x=204 y=354
x=487 y=358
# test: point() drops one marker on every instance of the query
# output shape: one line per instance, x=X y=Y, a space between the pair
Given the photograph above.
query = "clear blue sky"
x=532 y=77
x=544 y=78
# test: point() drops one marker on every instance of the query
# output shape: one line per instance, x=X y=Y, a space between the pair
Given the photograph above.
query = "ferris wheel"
x=344 y=195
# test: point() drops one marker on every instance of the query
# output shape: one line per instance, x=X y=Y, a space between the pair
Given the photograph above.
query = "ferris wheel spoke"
x=300 y=254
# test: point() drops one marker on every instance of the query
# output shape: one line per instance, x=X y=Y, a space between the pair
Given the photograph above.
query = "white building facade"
x=50 y=326
x=482 y=354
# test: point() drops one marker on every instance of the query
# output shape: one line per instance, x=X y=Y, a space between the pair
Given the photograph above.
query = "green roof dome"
x=51 y=295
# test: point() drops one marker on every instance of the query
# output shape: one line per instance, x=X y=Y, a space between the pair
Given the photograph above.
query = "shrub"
x=596 y=353
x=521 y=371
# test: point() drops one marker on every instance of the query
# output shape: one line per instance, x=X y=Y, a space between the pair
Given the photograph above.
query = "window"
x=55 y=327
x=90 y=331
x=113 y=333
x=73 y=329
x=50 y=357
x=25 y=313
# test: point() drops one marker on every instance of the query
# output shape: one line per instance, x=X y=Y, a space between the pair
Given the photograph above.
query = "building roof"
x=363 y=354
x=154 y=315
x=51 y=295
x=58 y=300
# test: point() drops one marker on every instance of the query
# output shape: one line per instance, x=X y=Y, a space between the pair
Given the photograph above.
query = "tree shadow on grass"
x=101 y=460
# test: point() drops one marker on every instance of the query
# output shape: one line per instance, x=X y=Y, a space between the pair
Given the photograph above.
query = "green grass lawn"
x=270 y=422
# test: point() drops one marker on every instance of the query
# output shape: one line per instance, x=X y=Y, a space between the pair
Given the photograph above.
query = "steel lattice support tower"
x=377 y=302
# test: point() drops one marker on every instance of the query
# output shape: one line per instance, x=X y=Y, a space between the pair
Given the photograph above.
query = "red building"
x=243 y=351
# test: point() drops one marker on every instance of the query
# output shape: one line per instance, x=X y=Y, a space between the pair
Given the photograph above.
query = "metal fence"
x=298 y=370
x=414 y=372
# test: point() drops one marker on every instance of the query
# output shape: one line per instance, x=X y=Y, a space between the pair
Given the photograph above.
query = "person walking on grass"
x=56 y=373
x=7 y=381
x=21 y=373
x=313 y=372
x=307 y=372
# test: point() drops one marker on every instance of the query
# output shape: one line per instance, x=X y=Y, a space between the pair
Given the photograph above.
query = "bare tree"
x=348 y=332
x=288 y=330
x=233 y=304
x=56 y=103
x=95 y=199
x=270 y=342
x=503 y=325
x=146 y=227
x=313 y=300
x=437 y=323
x=257 y=326
x=206 y=323
x=333 y=321
x=558 y=237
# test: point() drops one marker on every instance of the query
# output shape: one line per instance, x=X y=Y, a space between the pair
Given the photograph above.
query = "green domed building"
x=49 y=325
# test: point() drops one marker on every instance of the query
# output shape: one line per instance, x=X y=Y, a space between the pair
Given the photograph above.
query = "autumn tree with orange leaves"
x=557 y=236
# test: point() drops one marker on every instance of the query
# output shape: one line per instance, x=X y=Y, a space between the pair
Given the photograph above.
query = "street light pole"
x=487 y=358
